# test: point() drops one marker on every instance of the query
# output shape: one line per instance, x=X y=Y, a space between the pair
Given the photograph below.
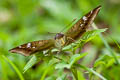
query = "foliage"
x=92 y=57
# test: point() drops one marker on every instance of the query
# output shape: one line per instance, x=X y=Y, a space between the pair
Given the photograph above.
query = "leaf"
x=30 y=63
x=14 y=67
x=97 y=74
x=80 y=75
x=91 y=34
x=3 y=69
x=76 y=57
x=99 y=63
x=62 y=77
x=53 y=61
x=49 y=67
x=45 y=72
x=87 y=36
x=35 y=58
x=62 y=65
x=91 y=70
x=73 y=60
x=113 y=53
x=110 y=63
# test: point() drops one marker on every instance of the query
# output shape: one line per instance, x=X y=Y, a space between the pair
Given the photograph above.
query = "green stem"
x=107 y=45
x=14 y=67
x=3 y=70
x=74 y=72
x=92 y=71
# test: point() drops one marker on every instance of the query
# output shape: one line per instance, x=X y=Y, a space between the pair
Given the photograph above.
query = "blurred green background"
x=22 y=21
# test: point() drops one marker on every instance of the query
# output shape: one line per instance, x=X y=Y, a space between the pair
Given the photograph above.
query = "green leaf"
x=91 y=70
x=91 y=34
x=87 y=36
x=80 y=75
x=35 y=58
x=14 y=67
x=53 y=61
x=99 y=63
x=73 y=60
x=113 y=53
x=116 y=42
x=49 y=67
x=62 y=77
x=62 y=65
x=76 y=57
x=110 y=62
x=30 y=63
x=45 y=72
x=97 y=74
x=3 y=69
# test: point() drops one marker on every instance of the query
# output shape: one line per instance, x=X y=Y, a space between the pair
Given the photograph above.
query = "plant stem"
x=14 y=67
x=74 y=72
x=92 y=71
